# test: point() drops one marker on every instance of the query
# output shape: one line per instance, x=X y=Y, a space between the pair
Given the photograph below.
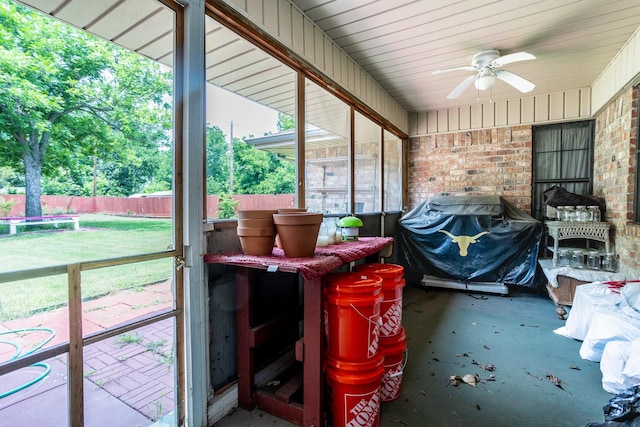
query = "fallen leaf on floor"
x=477 y=407
x=488 y=367
x=534 y=376
x=454 y=380
x=486 y=347
x=492 y=377
x=423 y=392
x=436 y=359
x=470 y=379
x=555 y=380
x=462 y=354
x=574 y=367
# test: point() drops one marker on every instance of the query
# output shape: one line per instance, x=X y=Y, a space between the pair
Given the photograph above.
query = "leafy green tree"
x=227 y=206
x=66 y=96
x=285 y=122
x=217 y=161
x=260 y=172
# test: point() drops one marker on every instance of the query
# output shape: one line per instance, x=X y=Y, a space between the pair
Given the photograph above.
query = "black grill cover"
x=499 y=242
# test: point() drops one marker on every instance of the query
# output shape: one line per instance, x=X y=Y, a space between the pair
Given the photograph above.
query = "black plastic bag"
x=558 y=196
x=624 y=406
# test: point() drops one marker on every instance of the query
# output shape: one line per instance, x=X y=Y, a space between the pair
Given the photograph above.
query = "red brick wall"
x=478 y=162
x=614 y=175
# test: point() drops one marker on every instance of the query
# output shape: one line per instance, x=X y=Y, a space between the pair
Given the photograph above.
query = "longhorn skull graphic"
x=463 y=241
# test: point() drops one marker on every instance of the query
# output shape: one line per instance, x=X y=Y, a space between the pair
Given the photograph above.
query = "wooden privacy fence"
x=152 y=206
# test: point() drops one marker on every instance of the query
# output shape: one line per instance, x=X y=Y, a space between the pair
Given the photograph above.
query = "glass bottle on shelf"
x=563 y=257
x=593 y=213
x=581 y=213
x=577 y=259
x=609 y=262
x=593 y=260
x=569 y=213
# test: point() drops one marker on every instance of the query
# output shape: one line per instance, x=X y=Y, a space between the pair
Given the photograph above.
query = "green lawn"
x=101 y=237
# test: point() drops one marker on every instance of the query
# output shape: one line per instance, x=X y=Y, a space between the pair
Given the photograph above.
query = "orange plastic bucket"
x=353 y=392
x=394 y=351
x=352 y=315
x=391 y=306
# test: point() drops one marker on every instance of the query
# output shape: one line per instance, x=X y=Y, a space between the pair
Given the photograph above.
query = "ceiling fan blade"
x=513 y=57
x=523 y=85
x=446 y=70
x=461 y=87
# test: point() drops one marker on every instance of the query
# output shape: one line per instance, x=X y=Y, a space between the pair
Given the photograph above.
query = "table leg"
x=244 y=318
x=313 y=389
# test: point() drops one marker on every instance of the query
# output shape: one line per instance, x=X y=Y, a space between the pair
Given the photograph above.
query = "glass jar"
x=560 y=213
x=593 y=260
x=577 y=259
x=563 y=257
x=324 y=239
x=608 y=262
x=569 y=213
x=581 y=213
x=593 y=213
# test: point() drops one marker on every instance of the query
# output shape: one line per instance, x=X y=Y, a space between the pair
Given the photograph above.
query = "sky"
x=248 y=117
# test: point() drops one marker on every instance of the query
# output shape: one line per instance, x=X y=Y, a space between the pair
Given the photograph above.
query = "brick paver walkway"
x=135 y=368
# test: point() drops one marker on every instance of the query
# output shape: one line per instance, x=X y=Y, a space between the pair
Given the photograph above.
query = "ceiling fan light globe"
x=484 y=82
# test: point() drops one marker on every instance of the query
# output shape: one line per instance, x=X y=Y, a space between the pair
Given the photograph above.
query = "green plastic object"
x=350 y=221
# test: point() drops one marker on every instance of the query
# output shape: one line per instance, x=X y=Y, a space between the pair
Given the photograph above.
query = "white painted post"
x=195 y=284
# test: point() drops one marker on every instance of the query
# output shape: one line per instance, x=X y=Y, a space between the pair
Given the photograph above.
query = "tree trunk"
x=32 y=177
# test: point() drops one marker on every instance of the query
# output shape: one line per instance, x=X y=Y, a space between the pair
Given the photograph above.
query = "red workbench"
x=309 y=348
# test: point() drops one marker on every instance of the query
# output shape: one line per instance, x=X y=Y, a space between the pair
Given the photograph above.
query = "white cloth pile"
x=607 y=321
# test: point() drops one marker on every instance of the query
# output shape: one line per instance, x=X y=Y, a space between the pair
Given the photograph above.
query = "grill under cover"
x=471 y=238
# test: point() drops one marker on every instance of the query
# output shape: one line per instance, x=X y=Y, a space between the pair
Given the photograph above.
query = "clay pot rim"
x=297 y=219
x=291 y=210
x=255 y=213
x=257 y=232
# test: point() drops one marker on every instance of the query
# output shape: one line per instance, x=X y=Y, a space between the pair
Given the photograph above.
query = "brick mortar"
x=480 y=162
x=614 y=174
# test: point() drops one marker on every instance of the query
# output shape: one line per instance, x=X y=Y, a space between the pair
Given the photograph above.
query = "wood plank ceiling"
x=399 y=43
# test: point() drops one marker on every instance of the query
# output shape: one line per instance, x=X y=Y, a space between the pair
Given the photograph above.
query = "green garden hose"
x=19 y=353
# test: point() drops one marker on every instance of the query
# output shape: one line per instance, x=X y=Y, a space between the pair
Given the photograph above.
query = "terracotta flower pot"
x=256 y=222
x=298 y=233
x=256 y=231
x=257 y=240
x=257 y=245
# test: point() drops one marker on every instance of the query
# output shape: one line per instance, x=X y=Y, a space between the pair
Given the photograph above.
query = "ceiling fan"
x=486 y=63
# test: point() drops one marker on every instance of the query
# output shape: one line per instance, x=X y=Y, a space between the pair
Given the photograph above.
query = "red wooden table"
x=309 y=348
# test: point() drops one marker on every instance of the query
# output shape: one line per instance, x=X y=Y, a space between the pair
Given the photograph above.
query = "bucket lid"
x=354 y=282
x=386 y=271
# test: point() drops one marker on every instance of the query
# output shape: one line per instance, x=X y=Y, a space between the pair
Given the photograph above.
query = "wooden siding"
x=623 y=71
x=553 y=107
x=284 y=21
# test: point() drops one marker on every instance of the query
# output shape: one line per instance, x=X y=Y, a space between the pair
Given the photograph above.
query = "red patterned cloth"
x=325 y=260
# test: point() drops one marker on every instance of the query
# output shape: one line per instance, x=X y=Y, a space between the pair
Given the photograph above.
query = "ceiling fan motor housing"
x=484 y=58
